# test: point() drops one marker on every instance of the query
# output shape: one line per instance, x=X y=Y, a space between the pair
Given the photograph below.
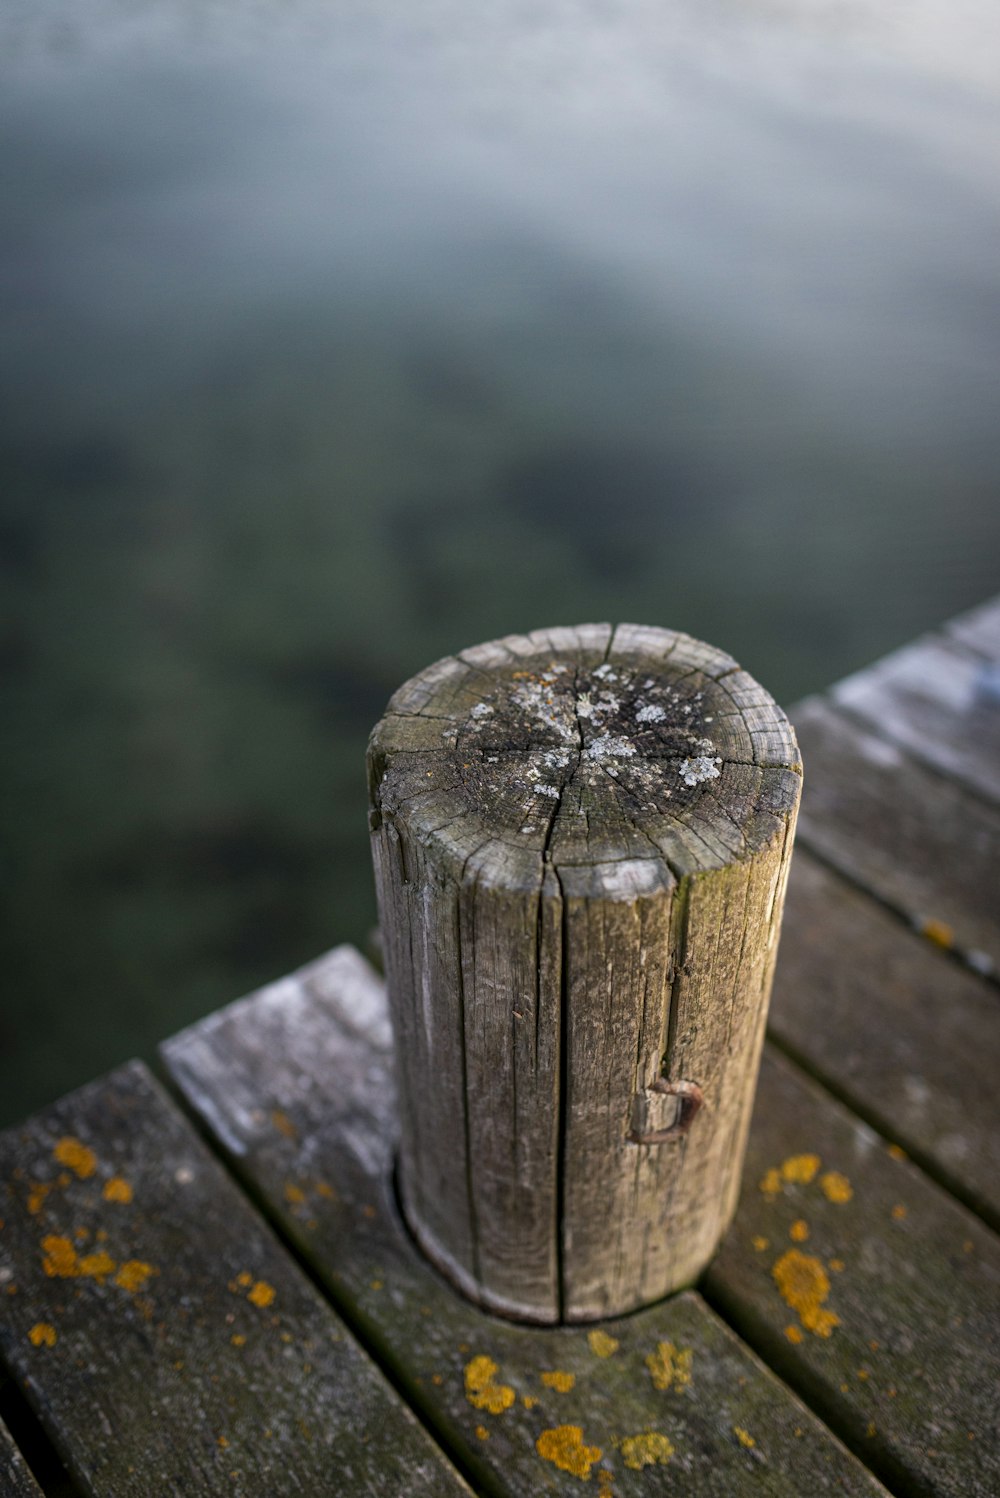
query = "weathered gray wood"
x=869 y=1288
x=906 y=1036
x=314 y=1054
x=16 y=1480
x=580 y=839
x=914 y=839
x=167 y=1342
x=941 y=702
x=979 y=629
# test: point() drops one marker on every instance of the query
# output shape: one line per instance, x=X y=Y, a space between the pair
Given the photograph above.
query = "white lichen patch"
x=650 y=712
x=547 y=790
x=481 y=710
x=704 y=767
x=609 y=746
x=605 y=673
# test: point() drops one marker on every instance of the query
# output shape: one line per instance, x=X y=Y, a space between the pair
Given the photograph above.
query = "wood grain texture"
x=906 y=1036
x=870 y=1289
x=671 y=1381
x=166 y=1341
x=16 y=1480
x=580 y=839
x=913 y=838
x=941 y=702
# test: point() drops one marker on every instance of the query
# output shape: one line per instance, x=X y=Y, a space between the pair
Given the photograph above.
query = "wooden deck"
x=206 y=1287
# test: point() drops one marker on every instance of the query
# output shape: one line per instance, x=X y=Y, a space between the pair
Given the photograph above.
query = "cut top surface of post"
x=587 y=747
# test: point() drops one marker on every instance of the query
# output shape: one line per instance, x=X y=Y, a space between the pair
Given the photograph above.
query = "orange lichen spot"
x=81 y=1234
x=284 y=1124
x=378 y=1284
x=871 y=1429
x=744 y=1437
x=97 y=1266
x=36 y=1197
x=793 y=1333
x=482 y=1433
x=238 y=1340
x=670 y=1366
x=863 y=1374
x=133 y=1274
x=873 y=1346
x=223 y=1443
x=312 y=1224
x=897 y=1152
x=437 y=1379
x=60 y=1261
x=294 y=1195
x=244 y=1278
x=898 y=1212
x=529 y=1401
x=261 y=1295
x=760 y=1245
x=647 y=1449
x=117 y=1190
x=837 y=1265
x=939 y=932
x=601 y=1344
x=800 y=1169
x=369 y=1211
x=75 y=1156
x=803 y=1284
x=42 y=1335
x=481 y=1388
x=799 y=1231
x=771 y=1182
x=287 y=1337
x=968 y=1246
x=836 y=1187
x=558 y=1380
x=325 y=1191
x=563 y=1446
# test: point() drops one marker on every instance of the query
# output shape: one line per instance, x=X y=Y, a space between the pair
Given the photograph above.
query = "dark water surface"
x=336 y=338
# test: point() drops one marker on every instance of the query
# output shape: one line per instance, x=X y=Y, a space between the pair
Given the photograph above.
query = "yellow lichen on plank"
x=117 y=1189
x=800 y=1169
x=481 y=1388
x=96 y=1266
x=804 y=1285
x=647 y=1449
x=133 y=1274
x=42 y=1334
x=261 y=1295
x=558 y=1380
x=59 y=1261
x=36 y=1197
x=601 y=1344
x=670 y=1366
x=836 y=1187
x=744 y=1437
x=284 y=1124
x=563 y=1445
x=799 y=1231
x=75 y=1156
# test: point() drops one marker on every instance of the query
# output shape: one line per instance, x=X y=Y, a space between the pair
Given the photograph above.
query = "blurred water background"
x=337 y=337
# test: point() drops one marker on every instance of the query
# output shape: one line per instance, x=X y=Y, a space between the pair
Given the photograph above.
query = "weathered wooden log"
x=581 y=839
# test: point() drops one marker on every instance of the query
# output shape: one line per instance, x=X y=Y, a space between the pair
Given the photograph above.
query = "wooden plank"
x=166 y=1341
x=940 y=702
x=916 y=840
x=531 y=1410
x=869 y=1288
x=906 y=1036
x=16 y=1480
x=580 y=849
x=979 y=629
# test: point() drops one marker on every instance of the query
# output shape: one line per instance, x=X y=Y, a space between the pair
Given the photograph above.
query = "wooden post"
x=581 y=839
